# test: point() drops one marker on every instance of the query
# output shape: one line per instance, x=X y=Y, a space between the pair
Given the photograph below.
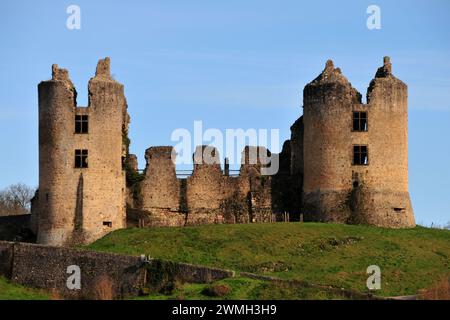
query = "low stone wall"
x=120 y=276
x=47 y=268
x=162 y=272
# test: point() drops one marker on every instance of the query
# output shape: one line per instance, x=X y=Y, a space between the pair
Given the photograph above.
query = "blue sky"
x=231 y=64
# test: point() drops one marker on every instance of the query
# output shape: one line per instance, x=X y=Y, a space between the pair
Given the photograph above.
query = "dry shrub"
x=217 y=290
x=104 y=288
x=439 y=291
x=55 y=294
x=170 y=287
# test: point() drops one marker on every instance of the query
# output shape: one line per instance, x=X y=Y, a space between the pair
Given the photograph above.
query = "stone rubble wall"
x=45 y=267
x=208 y=196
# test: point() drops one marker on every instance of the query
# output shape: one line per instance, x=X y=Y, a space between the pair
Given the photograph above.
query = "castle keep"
x=346 y=162
x=355 y=156
x=82 y=192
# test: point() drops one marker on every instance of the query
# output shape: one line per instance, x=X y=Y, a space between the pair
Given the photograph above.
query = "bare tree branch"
x=16 y=199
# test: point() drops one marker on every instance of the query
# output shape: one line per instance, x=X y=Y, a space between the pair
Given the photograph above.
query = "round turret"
x=56 y=116
x=328 y=102
x=355 y=155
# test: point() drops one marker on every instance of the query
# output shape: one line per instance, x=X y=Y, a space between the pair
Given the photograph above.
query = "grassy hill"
x=241 y=288
x=325 y=254
x=10 y=291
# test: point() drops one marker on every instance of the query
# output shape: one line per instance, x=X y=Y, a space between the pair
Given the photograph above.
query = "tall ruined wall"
x=254 y=186
x=297 y=165
x=206 y=188
x=284 y=190
x=335 y=189
x=207 y=196
x=161 y=188
x=79 y=205
x=213 y=197
x=296 y=144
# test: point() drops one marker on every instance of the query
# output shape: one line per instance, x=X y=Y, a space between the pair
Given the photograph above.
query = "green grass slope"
x=326 y=254
x=10 y=291
x=244 y=289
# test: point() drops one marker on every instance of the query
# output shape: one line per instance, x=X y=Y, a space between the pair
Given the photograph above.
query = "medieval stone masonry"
x=82 y=191
x=346 y=162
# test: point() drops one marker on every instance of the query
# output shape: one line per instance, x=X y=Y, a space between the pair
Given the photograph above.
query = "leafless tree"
x=16 y=199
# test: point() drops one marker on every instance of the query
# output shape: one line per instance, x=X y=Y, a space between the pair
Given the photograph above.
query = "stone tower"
x=81 y=157
x=356 y=155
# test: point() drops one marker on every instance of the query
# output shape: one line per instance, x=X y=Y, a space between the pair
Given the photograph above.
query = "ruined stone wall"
x=123 y=273
x=80 y=205
x=297 y=167
x=208 y=196
x=286 y=188
x=126 y=275
x=206 y=188
x=296 y=146
x=160 y=188
x=334 y=188
x=162 y=272
x=254 y=186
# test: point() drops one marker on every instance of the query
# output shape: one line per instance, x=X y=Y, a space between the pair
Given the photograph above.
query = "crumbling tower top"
x=386 y=70
x=330 y=84
x=59 y=74
x=103 y=69
x=160 y=152
x=384 y=78
x=331 y=74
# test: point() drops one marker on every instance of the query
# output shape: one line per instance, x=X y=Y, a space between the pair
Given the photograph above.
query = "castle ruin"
x=346 y=162
x=82 y=191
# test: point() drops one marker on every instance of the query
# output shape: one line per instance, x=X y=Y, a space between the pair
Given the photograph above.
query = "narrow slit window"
x=360 y=155
x=81 y=158
x=81 y=124
x=360 y=121
x=107 y=224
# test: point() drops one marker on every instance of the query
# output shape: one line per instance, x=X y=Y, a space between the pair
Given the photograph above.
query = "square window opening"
x=81 y=158
x=107 y=224
x=360 y=156
x=81 y=124
x=360 y=121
